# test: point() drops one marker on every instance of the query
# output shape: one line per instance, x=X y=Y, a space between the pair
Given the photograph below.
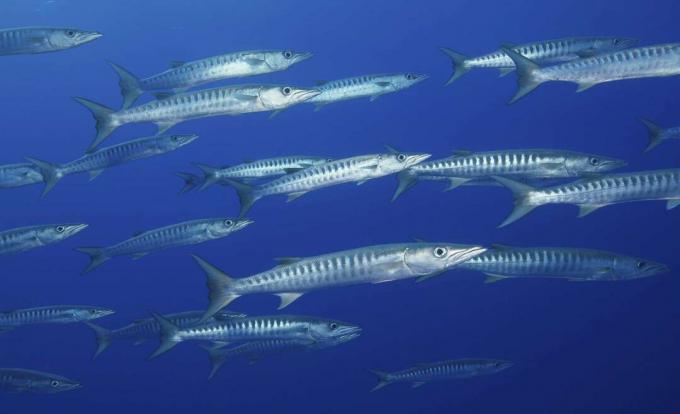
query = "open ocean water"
x=576 y=347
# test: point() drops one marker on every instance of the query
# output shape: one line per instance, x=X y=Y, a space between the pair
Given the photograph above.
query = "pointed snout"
x=303 y=56
x=418 y=158
x=462 y=254
x=72 y=229
x=189 y=138
x=307 y=94
x=90 y=36
x=242 y=223
x=614 y=163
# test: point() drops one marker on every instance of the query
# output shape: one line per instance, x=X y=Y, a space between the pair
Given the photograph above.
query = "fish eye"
x=594 y=161
x=329 y=159
x=228 y=223
x=288 y=54
x=401 y=157
x=70 y=33
x=410 y=76
x=60 y=229
x=641 y=265
x=440 y=252
x=333 y=326
x=286 y=90
x=54 y=383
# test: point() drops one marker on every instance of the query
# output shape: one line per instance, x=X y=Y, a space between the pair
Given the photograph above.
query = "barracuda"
x=27 y=238
x=657 y=134
x=374 y=264
x=470 y=168
x=142 y=330
x=59 y=314
x=548 y=51
x=14 y=380
x=252 y=328
x=355 y=169
x=32 y=40
x=592 y=194
x=165 y=113
x=181 y=234
x=503 y=262
x=439 y=371
x=18 y=175
x=368 y=86
x=258 y=169
x=642 y=62
x=184 y=75
x=96 y=162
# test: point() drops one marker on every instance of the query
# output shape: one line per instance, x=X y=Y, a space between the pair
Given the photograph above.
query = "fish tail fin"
x=209 y=175
x=97 y=257
x=246 y=194
x=219 y=284
x=655 y=134
x=167 y=335
x=406 y=180
x=526 y=74
x=190 y=181
x=383 y=379
x=458 y=60
x=103 y=122
x=103 y=337
x=520 y=191
x=51 y=173
x=129 y=85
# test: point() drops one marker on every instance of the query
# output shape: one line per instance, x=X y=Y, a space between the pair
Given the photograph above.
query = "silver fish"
x=176 y=235
x=96 y=162
x=26 y=238
x=642 y=62
x=592 y=194
x=439 y=371
x=357 y=169
x=167 y=112
x=503 y=262
x=657 y=134
x=185 y=75
x=544 y=52
x=466 y=167
x=31 y=40
x=18 y=175
x=142 y=330
x=266 y=167
x=252 y=328
x=368 y=86
x=14 y=380
x=295 y=276
x=50 y=314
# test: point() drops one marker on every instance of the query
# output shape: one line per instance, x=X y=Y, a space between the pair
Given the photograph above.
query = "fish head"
x=580 y=164
x=432 y=258
x=633 y=268
x=68 y=37
x=218 y=228
x=280 y=60
x=52 y=384
x=88 y=313
x=491 y=366
x=614 y=43
x=165 y=143
x=330 y=331
x=56 y=232
x=278 y=97
x=395 y=161
x=407 y=80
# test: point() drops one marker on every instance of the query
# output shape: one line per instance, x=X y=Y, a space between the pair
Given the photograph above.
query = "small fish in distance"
x=19 y=175
x=26 y=238
x=32 y=40
x=59 y=314
x=15 y=380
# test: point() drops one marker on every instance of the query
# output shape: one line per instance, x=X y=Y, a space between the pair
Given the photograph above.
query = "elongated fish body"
x=26 y=238
x=642 y=62
x=18 y=175
x=657 y=134
x=555 y=262
x=355 y=169
x=253 y=328
x=14 y=380
x=230 y=100
x=181 y=234
x=592 y=194
x=544 y=52
x=32 y=40
x=51 y=314
x=368 y=86
x=374 y=264
x=478 y=168
x=442 y=371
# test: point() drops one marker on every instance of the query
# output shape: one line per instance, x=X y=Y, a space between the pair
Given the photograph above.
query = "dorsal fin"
x=462 y=153
x=498 y=246
x=287 y=260
x=320 y=82
x=176 y=63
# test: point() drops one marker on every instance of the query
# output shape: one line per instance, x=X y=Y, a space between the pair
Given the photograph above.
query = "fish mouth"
x=306 y=94
x=105 y=312
x=244 y=223
x=463 y=254
x=75 y=228
x=303 y=56
x=189 y=138
x=613 y=164
x=421 y=77
x=89 y=36
x=418 y=158
x=656 y=268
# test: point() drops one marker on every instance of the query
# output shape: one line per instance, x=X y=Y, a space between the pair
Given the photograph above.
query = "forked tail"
x=97 y=257
x=51 y=173
x=129 y=85
x=458 y=61
x=218 y=284
x=383 y=379
x=655 y=134
x=526 y=74
x=103 y=122
x=103 y=337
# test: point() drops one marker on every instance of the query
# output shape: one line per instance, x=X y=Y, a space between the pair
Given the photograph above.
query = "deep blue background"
x=579 y=347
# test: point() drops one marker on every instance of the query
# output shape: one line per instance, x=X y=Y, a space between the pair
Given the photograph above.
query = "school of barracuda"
x=536 y=177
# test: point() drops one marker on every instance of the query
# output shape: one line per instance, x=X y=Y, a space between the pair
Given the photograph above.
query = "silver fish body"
x=32 y=40
x=26 y=238
x=555 y=262
x=368 y=86
x=59 y=314
x=441 y=371
x=14 y=380
x=184 y=75
x=181 y=234
x=544 y=52
x=18 y=175
x=373 y=264
x=592 y=194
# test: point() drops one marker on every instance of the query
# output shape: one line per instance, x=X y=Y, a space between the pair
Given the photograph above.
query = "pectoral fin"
x=586 y=209
x=505 y=71
x=455 y=182
x=672 y=204
x=95 y=173
x=176 y=63
x=374 y=97
x=295 y=196
x=287 y=260
x=582 y=86
x=492 y=278
x=287 y=298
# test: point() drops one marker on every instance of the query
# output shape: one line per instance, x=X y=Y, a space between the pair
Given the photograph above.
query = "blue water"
x=578 y=347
